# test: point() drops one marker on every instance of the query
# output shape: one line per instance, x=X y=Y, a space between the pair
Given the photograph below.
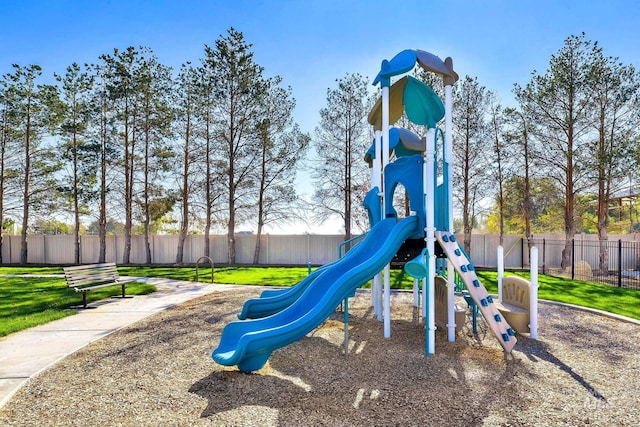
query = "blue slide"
x=272 y=301
x=249 y=343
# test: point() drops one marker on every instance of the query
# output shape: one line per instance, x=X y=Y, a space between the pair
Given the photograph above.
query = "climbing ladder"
x=500 y=328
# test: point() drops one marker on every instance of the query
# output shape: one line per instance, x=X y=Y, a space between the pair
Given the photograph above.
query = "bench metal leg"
x=123 y=290
x=84 y=299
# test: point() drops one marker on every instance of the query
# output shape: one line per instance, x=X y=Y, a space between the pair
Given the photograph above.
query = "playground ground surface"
x=583 y=370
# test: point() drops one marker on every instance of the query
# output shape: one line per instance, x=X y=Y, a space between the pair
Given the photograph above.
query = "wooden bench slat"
x=90 y=288
x=87 y=281
x=89 y=266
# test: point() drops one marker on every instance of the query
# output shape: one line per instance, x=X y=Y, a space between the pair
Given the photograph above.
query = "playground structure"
x=422 y=165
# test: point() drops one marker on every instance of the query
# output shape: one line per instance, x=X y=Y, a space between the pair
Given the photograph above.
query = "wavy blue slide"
x=249 y=343
x=272 y=301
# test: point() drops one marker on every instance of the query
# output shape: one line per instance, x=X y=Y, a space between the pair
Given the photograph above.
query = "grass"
x=30 y=301
x=31 y=270
x=263 y=276
x=623 y=301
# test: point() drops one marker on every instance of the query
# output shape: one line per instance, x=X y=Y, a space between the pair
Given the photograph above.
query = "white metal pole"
x=377 y=294
x=387 y=303
x=429 y=190
x=432 y=305
x=376 y=181
x=425 y=191
x=533 y=297
x=385 y=161
x=448 y=157
x=500 y=271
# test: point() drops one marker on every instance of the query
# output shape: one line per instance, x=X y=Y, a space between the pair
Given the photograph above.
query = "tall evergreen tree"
x=500 y=156
x=188 y=90
x=154 y=87
x=616 y=91
x=342 y=136
x=471 y=107
x=35 y=109
x=517 y=135
x=238 y=89
x=211 y=171
x=7 y=155
x=103 y=136
x=559 y=103
x=78 y=152
x=282 y=148
x=122 y=76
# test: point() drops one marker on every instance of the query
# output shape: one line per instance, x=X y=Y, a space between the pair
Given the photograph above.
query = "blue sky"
x=310 y=43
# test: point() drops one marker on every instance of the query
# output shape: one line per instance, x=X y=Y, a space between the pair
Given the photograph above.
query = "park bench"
x=85 y=278
x=515 y=305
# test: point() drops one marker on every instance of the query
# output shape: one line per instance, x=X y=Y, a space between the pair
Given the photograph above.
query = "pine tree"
x=77 y=150
x=342 y=137
x=559 y=104
x=282 y=148
x=35 y=109
x=238 y=92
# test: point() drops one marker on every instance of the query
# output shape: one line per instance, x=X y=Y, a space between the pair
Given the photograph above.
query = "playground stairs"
x=498 y=325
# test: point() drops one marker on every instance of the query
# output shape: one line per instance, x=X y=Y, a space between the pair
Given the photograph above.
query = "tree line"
x=559 y=159
x=215 y=144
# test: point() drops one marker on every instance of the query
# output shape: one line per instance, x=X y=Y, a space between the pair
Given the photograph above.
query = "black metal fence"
x=611 y=262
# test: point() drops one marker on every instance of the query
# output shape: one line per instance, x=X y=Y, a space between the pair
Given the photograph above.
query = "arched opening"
x=401 y=201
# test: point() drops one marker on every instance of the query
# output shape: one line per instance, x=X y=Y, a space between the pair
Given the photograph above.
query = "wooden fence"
x=302 y=249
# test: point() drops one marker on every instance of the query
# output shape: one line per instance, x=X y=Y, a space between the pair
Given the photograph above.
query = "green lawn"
x=30 y=301
x=263 y=276
x=594 y=295
x=31 y=270
x=621 y=301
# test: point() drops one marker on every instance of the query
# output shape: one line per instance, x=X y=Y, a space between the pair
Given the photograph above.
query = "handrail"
x=341 y=245
x=210 y=262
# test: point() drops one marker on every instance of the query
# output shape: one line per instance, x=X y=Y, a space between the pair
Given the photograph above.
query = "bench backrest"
x=91 y=274
x=442 y=306
x=440 y=293
x=515 y=291
x=440 y=303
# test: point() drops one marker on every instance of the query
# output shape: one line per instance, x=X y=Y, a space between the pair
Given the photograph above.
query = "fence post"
x=533 y=293
x=573 y=258
x=500 y=271
x=619 y=263
x=522 y=253
x=544 y=253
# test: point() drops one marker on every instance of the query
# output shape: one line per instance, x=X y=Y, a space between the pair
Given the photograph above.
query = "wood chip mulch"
x=583 y=370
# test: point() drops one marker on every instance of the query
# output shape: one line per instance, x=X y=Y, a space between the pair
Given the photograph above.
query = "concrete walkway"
x=26 y=353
